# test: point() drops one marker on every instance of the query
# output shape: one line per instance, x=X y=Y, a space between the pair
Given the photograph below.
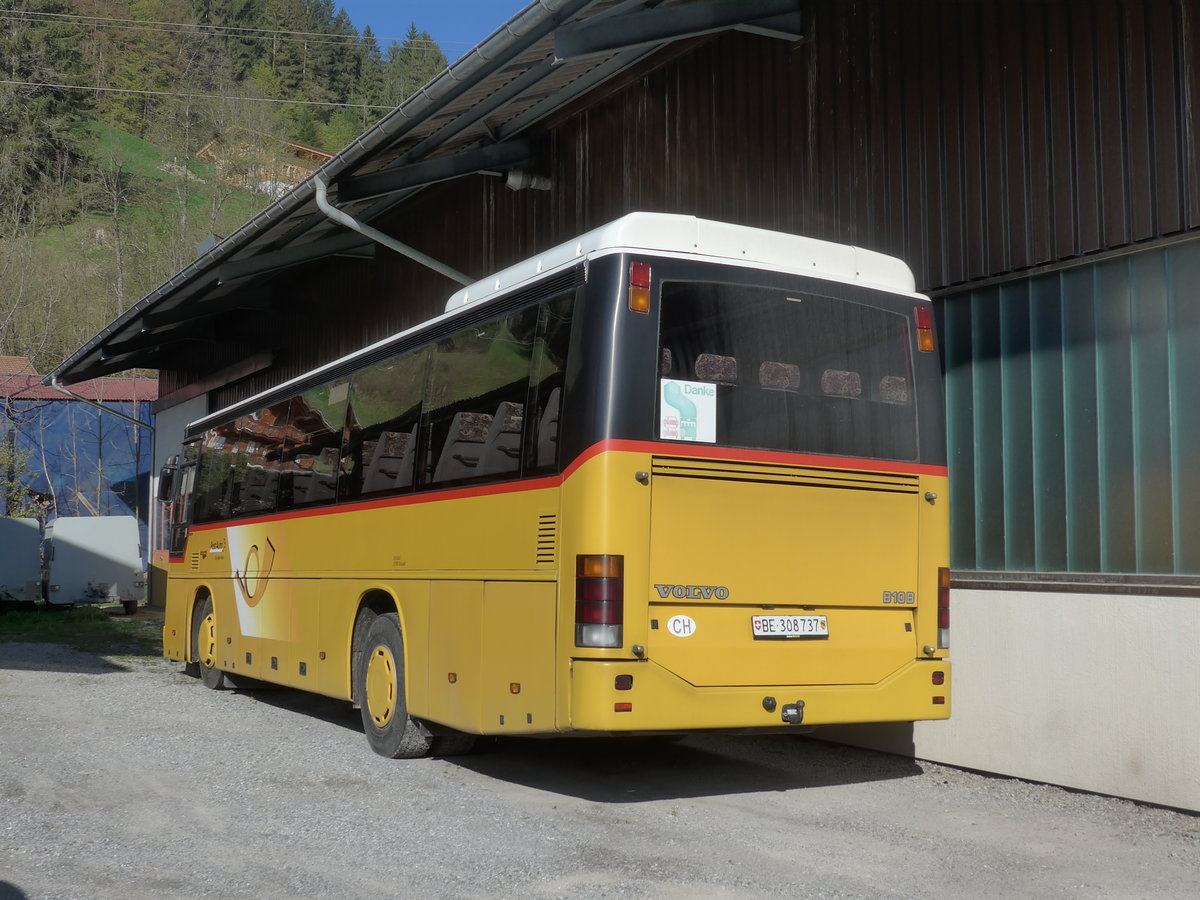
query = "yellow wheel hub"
x=208 y=641
x=381 y=686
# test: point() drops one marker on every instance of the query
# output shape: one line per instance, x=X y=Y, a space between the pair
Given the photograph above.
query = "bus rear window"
x=756 y=367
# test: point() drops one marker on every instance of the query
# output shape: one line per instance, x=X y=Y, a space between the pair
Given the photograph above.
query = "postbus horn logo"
x=261 y=575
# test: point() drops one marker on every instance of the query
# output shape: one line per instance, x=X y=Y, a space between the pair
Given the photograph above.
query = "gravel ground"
x=123 y=778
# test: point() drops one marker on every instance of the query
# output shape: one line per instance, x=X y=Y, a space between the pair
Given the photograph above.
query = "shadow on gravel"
x=638 y=769
x=327 y=709
x=634 y=770
x=9 y=891
x=34 y=657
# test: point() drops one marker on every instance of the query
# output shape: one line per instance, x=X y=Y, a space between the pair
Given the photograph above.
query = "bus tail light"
x=639 y=287
x=924 y=316
x=599 y=601
x=943 y=607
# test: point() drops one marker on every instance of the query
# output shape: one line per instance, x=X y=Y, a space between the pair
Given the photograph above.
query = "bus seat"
x=254 y=490
x=840 y=383
x=723 y=372
x=301 y=482
x=386 y=470
x=665 y=362
x=779 y=376
x=464 y=443
x=760 y=415
x=841 y=420
x=716 y=368
x=502 y=448
x=547 y=440
x=893 y=389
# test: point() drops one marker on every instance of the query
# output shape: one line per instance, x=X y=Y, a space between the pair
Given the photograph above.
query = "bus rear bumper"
x=658 y=700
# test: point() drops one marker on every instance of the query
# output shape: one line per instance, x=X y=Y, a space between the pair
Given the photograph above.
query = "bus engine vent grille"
x=194 y=561
x=547 y=540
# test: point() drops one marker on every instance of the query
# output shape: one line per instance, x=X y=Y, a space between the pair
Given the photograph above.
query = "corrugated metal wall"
x=972 y=139
x=1072 y=425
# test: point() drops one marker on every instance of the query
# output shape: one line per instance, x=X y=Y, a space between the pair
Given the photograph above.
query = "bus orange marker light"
x=939 y=701
x=600 y=566
x=321 y=655
x=639 y=287
x=623 y=683
x=939 y=677
x=452 y=677
x=622 y=707
x=514 y=688
x=924 y=317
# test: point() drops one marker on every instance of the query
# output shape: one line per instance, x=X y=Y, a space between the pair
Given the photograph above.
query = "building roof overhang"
x=474 y=117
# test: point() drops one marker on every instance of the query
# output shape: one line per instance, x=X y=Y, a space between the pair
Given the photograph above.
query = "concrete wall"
x=1096 y=692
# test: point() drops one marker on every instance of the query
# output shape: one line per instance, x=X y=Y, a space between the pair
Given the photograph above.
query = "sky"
x=457 y=25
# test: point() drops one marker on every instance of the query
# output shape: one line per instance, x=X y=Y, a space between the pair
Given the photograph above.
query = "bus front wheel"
x=380 y=682
x=204 y=645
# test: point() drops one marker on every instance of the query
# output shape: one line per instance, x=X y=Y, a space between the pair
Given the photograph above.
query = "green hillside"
x=105 y=195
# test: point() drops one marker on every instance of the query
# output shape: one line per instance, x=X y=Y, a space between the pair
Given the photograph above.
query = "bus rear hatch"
x=781 y=575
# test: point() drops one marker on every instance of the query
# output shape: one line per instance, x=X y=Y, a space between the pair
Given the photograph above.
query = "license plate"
x=789 y=627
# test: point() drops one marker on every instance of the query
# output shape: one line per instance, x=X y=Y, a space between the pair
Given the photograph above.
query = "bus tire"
x=204 y=645
x=380 y=683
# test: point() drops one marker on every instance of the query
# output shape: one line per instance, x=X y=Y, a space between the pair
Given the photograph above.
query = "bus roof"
x=664 y=234
x=652 y=234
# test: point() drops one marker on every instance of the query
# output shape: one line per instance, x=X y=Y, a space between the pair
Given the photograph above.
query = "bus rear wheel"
x=380 y=683
x=204 y=645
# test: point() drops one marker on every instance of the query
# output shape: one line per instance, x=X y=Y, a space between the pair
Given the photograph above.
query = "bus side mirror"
x=166 y=482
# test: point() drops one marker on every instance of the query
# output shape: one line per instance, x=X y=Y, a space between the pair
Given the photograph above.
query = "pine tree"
x=411 y=65
x=42 y=127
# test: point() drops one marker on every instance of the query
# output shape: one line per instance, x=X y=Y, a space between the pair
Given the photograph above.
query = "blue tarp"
x=85 y=462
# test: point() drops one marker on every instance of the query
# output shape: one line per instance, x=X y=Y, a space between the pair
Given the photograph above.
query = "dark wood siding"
x=972 y=139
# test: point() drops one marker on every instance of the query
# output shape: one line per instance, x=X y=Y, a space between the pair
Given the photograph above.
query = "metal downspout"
x=62 y=389
x=345 y=219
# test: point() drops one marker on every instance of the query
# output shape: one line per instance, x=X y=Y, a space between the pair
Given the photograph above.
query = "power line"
x=190 y=28
x=112 y=90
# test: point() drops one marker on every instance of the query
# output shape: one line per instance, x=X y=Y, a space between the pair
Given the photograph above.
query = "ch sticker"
x=261 y=573
x=681 y=626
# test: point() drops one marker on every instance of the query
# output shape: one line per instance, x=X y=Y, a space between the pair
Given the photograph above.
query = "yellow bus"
x=673 y=475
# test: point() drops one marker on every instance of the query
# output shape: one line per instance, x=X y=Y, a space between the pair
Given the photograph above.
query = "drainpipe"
x=62 y=389
x=345 y=219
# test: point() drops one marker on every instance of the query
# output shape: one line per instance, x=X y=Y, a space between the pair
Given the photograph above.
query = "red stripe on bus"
x=768 y=457
x=483 y=490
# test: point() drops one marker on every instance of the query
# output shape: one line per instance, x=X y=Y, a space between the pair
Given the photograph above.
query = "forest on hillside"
x=104 y=106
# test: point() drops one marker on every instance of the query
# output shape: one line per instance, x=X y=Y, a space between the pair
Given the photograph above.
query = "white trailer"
x=94 y=559
x=20 y=560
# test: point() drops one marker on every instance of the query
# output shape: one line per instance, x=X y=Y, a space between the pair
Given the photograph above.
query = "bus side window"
x=381 y=434
x=547 y=382
x=213 y=478
x=477 y=376
x=310 y=460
